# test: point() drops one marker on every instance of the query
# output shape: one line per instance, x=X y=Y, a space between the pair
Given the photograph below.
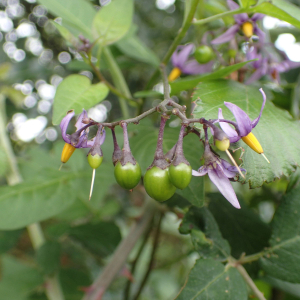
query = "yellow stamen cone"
x=247 y=29
x=67 y=152
x=253 y=143
x=175 y=73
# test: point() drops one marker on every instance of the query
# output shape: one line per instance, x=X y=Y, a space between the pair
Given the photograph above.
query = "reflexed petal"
x=287 y=65
x=193 y=67
x=227 y=35
x=223 y=184
x=260 y=72
x=257 y=16
x=64 y=125
x=182 y=55
x=82 y=143
x=201 y=172
x=82 y=116
x=239 y=18
x=259 y=33
x=232 y=134
x=99 y=138
x=232 y=5
x=242 y=119
x=255 y=121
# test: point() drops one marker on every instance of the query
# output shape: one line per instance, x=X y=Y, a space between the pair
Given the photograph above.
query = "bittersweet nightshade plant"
x=268 y=65
x=184 y=64
x=219 y=170
x=243 y=22
x=243 y=126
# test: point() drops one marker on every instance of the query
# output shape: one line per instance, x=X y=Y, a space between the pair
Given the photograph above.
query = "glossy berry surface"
x=128 y=176
x=180 y=175
x=204 y=54
x=94 y=160
x=158 y=185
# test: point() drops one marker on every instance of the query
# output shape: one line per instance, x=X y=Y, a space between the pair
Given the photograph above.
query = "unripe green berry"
x=128 y=176
x=204 y=54
x=158 y=185
x=180 y=175
x=94 y=160
x=222 y=145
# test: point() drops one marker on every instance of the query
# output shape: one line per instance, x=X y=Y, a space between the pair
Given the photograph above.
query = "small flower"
x=79 y=139
x=183 y=64
x=268 y=65
x=243 y=126
x=219 y=171
x=242 y=22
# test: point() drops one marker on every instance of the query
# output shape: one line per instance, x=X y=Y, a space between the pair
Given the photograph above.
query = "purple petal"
x=287 y=65
x=232 y=170
x=227 y=35
x=239 y=18
x=64 y=125
x=232 y=5
x=232 y=134
x=82 y=143
x=257 y=16
x=202 y=171
x=223 y=184
x=99 y=138
x=228 y=174
x=242 y=119
x=193 y=67
x=182 y=55
x=255 y=121
x=82 y=116
x=261 y=35
x=260 y=72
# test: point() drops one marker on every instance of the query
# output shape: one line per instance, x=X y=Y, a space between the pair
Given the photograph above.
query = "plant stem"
x=118 y=80
x=52 y=285
x=181 y=33
x=152 y=257
x=219 y=16
x=250 y=282
x=102 y=282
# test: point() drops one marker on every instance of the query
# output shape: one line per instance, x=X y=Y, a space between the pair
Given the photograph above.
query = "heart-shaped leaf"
x=76 y=92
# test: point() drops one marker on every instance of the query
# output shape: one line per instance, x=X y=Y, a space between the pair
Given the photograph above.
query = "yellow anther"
x=247 y=29
x=175 y=73
x=67 y=152
x=253 y=143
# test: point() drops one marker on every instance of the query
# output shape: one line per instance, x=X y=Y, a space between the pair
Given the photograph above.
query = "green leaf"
x=77 y=18
x=66 y=34
x=282 y=260
x=3 y=162
x=276 y=130
x=290 y=288
x=101 y=238
x=190 y=82
x=194 y=193
x=8 y=239
x=18 y=280
x=113 y=21
x=281 y=9
x=242 y=228
x=76 y=92
x=48 y=257
x=132 y=46
x=205 y=233
x=210 y=279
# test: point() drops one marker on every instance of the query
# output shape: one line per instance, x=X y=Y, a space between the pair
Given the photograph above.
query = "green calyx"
x=204 y=54
x=180 y=175
x=94 y=160
x=158 y=185
x=129 y=175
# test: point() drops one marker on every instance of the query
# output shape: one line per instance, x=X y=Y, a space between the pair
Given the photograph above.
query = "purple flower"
x=79 y=139
x=180 y=59
x=242 y=21
x=243 y=125
x=268 y=65
x=219 y=171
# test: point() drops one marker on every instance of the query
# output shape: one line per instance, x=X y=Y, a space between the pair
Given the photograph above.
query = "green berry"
x=128 y=176
x=204 y=54
x=95 y=160
x=180 y=175
x=222 y=145
x=158 y=185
